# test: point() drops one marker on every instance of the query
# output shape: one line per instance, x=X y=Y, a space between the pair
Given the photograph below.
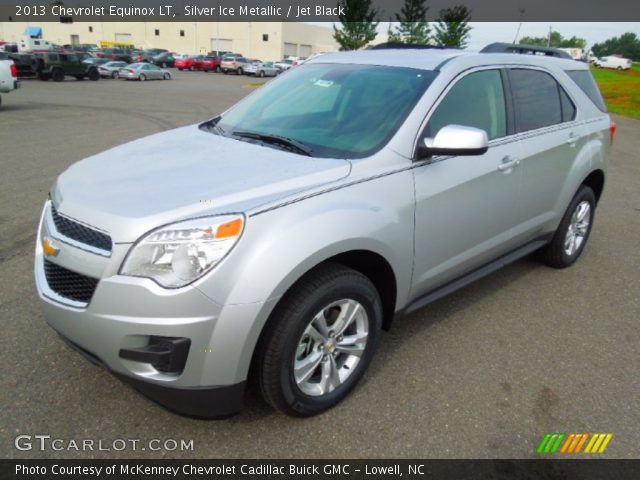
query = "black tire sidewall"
x=340 y=288
x=557 y=245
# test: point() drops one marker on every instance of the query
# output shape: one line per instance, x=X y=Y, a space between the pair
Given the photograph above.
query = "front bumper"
x=126 y=312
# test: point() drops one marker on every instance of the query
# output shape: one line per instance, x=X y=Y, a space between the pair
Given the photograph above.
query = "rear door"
x=466 y=206
x=550 y=137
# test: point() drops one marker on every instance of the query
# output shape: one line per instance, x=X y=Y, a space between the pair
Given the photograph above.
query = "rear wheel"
x=166 y=76
x=114 y=75
x=94 y=75
x=239 y=71
x=261 y=74
x=573 y=232
x=191 y=68
x=57 y=75
x=218 y=69
x=143 y=77
x=180 y=69
x=319 y=341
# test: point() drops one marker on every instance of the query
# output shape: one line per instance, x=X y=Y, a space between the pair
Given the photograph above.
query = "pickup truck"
x=8 y=77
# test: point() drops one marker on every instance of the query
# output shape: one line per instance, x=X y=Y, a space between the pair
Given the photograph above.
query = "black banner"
x=322 y=469
x=305 y=10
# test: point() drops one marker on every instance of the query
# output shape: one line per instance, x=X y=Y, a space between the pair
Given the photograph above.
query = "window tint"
x=587 y=84
x=477 y=100
x=568 y=109
x=537 y=98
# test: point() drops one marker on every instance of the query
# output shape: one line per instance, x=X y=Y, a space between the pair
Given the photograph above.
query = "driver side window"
x=477 y=100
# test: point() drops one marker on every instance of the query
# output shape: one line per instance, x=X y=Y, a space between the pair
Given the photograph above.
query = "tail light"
x=14 y=70
x=612 y=130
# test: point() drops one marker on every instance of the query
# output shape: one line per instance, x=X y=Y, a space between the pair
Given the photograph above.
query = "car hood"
x=183 y=173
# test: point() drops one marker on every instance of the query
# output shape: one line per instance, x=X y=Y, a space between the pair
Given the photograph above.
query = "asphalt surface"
x=485 y=372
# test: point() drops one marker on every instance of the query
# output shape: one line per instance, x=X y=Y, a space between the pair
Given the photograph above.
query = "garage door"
x=222 y=45
x=123 y=37
x=290 y=49
x=305 y=51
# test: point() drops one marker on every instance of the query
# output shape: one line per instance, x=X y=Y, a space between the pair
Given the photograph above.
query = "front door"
x=466 y=206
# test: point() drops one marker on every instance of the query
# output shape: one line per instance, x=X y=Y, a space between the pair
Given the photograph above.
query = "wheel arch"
x=595 y=180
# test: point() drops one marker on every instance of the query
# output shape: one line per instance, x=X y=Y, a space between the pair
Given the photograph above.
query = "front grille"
x=79 y=232
x=68 y=284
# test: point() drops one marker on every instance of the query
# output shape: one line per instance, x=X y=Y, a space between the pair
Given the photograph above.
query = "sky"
x=484 y=33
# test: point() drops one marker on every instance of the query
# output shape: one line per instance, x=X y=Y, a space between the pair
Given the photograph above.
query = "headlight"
x=178 y=254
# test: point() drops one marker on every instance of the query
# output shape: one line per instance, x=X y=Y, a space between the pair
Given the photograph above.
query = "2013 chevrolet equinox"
x=283 y=234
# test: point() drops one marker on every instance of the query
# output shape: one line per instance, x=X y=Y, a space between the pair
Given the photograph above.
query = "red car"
x=190 y=62
x=211 y=63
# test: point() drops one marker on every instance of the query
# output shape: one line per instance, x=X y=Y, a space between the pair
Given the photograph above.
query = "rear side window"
x=476 y=100
x=539 y=100
x=588 y=85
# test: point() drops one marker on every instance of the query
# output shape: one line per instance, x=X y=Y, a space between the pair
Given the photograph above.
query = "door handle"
x=508 y=163
x=573 y=138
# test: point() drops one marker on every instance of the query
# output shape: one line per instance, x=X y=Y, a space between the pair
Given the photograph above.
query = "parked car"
x=8 y=76
x=284 y=64
x=189 y=62
x=164 y=60
x=148 y=54
x=232 y=63
x=352 y=190
x=95 y=61
x=618 y=63
x=210 y=63
x=143 y=71
x=116 y=54
x=111 y=69
x=57 y=65
x=259 y=69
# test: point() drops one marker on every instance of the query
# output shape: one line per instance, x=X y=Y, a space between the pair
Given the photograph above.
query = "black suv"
x=57 y=65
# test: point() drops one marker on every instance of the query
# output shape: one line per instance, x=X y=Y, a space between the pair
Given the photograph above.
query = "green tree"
x=627 y=45
x=557 y=41
x=452 y=29
x=413 y=28
x=358 y=24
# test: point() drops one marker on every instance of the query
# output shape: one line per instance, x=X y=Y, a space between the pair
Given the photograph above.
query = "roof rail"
x=525 y=49
x=402 y=45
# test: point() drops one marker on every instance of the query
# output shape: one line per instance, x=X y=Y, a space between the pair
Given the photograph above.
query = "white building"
x=264 y=40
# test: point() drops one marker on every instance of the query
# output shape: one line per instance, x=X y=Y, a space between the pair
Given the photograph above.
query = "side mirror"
x=455 y=140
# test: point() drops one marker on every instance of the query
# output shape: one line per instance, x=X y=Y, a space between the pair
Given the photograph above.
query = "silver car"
x=111 y=69
x=260 y=69
x=143 y=71
x=282 y=235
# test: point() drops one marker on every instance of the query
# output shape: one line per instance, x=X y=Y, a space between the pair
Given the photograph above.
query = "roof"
x=435 y=59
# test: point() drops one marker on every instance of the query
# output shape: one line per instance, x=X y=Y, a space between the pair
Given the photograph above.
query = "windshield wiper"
x=286 y=142
x=212 y=126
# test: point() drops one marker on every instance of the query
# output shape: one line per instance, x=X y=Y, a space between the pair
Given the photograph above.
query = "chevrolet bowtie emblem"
x=48 y=247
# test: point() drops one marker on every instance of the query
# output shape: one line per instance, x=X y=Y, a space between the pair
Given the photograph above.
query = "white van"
x=618 y=63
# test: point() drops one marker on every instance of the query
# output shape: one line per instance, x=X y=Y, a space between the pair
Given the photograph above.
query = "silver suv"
x=275 y=241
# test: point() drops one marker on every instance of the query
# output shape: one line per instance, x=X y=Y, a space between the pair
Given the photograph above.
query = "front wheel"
x=142 y=77
x=239 y=71
x=166 y=76
x=319 y=341
x=261 y=74
x=94 y=75
x=573 y=232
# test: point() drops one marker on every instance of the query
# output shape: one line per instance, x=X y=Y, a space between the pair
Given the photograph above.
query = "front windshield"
x=336 y=110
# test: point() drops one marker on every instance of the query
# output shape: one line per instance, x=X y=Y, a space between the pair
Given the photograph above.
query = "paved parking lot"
x=483 y=373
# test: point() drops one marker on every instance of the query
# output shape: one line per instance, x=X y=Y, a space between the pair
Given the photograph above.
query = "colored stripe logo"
x=574 y=443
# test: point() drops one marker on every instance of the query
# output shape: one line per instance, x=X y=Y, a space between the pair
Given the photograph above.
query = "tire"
x=289 y=337
x=562 y=252
x=94 y=75
x=191 y=69
x=114 y=75
x=166 y=76
x=218 y=69
x=57 y=75
x=225 y=71
x=142 y=77
x=618 y=68
x=239 y=71
x=206 y=70
x=180 y=69
x=261 y=74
